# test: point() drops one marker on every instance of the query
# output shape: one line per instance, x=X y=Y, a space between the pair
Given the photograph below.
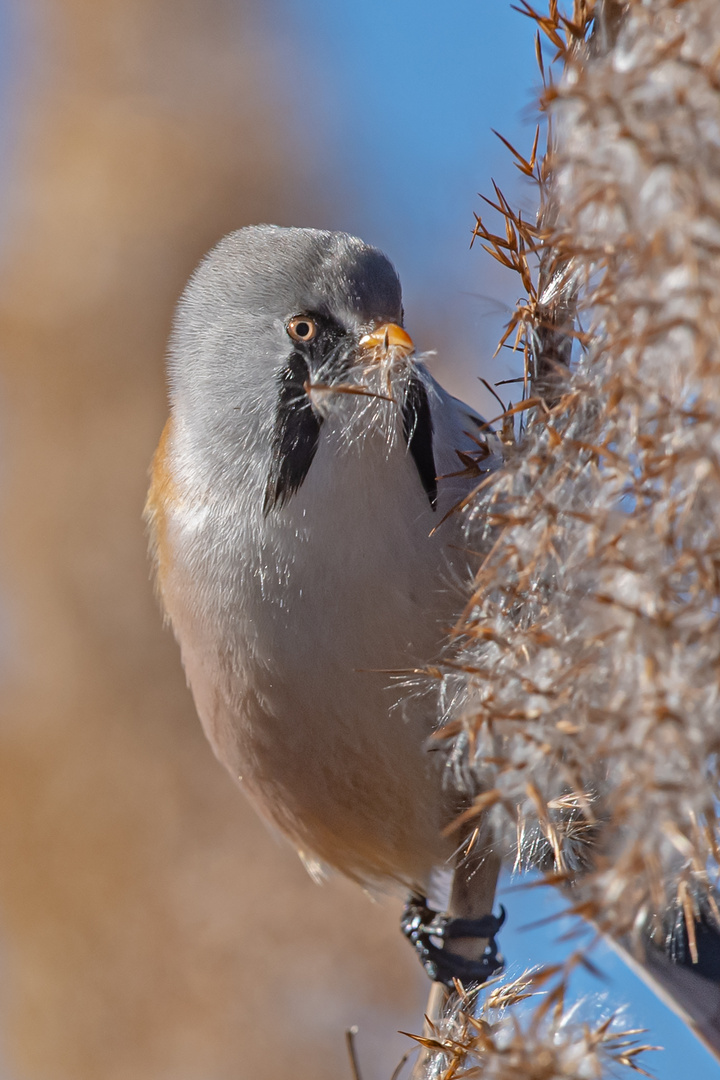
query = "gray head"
x=266 y=310
x=232 y=319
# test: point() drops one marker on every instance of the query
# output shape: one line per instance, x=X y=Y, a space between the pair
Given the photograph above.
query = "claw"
x=420 y=924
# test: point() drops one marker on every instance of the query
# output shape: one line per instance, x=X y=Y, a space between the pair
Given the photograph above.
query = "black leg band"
x=420 y=924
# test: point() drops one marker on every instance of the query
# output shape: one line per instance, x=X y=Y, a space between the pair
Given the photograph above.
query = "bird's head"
x=280 y=330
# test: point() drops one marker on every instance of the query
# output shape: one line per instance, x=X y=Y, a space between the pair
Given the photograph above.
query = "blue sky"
x=11 y=42
x=407 y=92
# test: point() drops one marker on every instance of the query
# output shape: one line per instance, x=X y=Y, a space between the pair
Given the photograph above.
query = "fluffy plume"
x=503 y=1041
x=586 y=674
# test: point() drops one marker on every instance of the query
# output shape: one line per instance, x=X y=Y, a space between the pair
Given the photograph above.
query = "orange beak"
x=386 y=337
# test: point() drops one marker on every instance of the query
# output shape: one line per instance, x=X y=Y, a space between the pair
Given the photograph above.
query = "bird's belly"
x=346 y=777
x=289 y=665
x=303 y=711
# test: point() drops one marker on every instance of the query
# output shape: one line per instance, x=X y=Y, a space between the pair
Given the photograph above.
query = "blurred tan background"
x=150 y=927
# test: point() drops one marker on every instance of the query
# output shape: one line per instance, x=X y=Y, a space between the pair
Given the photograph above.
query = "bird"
x=307 y=535
x=308 y=547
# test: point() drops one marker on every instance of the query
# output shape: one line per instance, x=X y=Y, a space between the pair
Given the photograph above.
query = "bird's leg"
x=472 y=937
x=471 y=957
x=460 y=944
x=471 y=902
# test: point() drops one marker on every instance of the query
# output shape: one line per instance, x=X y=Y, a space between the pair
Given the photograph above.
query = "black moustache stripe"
x=295 y=436
x=418 y=431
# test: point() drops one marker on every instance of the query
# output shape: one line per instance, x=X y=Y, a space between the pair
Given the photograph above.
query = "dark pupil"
x=303 y=329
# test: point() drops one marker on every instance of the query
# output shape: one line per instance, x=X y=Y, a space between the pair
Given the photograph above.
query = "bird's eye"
x=302 y=328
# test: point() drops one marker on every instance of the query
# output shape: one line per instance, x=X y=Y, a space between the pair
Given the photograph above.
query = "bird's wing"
x=691 y=991
x=466 y=448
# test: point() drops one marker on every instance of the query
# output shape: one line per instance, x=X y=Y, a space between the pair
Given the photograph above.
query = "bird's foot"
x=423 y=927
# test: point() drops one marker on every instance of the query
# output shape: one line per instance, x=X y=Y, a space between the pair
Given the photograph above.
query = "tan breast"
x=161 y=497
